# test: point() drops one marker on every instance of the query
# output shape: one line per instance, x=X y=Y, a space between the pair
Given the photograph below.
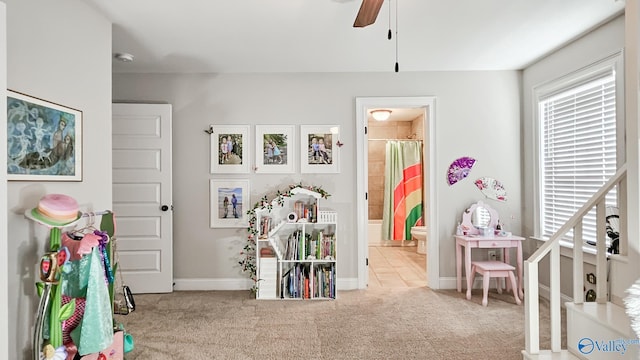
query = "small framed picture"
x=229 y=201
x=44 y=140
x=275 y=149
x=230 y=149
x=319 y=150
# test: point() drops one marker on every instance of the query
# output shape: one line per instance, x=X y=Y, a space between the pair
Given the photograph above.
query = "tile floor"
x=396 y=267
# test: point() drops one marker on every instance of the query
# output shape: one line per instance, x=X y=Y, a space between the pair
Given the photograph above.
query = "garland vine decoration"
x=248 y=253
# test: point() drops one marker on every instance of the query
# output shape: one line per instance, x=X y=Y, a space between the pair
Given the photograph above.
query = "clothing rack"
x=50 y=306
x=96 y=213
x=29 y=215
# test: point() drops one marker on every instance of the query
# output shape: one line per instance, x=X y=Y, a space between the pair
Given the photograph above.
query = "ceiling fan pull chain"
x=389 y=34
x=397 y=68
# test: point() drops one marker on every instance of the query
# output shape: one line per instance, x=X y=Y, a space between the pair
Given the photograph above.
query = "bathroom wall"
x=379 y=132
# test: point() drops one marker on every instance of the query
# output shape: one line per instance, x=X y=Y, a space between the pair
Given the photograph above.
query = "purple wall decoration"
x=459 y=169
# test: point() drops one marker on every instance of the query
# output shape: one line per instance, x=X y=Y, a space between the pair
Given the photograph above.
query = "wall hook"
x=339 y=143
x=209 y=130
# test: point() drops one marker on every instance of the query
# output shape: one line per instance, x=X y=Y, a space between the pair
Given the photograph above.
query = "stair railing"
x=552 y=247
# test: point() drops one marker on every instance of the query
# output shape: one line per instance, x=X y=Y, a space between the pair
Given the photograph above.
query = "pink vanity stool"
x=494 y=269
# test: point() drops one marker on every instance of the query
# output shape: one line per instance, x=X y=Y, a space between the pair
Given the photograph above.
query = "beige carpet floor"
x=411 y=323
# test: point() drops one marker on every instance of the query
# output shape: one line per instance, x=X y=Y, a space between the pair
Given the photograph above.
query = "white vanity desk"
x=481 y=215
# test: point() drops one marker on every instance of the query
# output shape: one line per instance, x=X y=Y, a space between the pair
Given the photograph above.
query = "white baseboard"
x=451 y=283
x=240 y=284
x=446 y=283
x=212 y=284
x=544 y=292
x=347 y=284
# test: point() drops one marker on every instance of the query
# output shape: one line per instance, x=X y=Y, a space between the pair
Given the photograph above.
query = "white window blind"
x=578 y=138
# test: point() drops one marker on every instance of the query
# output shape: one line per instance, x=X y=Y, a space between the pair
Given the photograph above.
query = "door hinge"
x=366 y=196
x=365 y=130
x=367 y=261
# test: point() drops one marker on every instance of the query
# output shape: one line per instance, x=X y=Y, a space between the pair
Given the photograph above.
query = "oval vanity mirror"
x=481 y=217
x=478 y=217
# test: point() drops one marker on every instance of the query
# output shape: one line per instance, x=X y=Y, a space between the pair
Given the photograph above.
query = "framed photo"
x=229 y=203
x=230 y=149
x=275 y=149
x=319 y=149
x=44 y=140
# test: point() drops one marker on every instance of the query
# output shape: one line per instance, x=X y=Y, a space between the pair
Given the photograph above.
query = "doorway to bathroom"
x=397 y=254
x=400 y=263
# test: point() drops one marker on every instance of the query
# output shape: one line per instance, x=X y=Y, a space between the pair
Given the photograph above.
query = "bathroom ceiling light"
x=381 y=114
x=124 y=57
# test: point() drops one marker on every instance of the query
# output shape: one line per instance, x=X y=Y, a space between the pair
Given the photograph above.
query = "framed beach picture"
x=230 y=146
x=275 y=149
x=319 y=150
x=44 y=140
x=229 y=203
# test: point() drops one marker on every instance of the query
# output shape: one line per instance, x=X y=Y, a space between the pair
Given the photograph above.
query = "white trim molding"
x=363 y=105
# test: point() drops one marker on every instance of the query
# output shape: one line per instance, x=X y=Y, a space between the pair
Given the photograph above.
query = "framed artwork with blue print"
x=44 y=140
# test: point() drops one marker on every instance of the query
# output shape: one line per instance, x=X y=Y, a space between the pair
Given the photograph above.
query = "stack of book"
x=321 y=245
x=301 y=282
x=306 y=212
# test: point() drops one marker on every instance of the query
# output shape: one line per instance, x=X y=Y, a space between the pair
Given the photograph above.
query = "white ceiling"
x=248 y=36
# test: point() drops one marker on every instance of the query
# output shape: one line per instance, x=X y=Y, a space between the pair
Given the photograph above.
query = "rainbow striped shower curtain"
x=402 y=189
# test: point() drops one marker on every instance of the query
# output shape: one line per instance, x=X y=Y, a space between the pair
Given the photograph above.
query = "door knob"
x=164 y=208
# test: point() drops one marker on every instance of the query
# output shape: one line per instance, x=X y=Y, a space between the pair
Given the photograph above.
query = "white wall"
x=4 y=285
x=478 y=114
x=592 y=47
x=59 y=51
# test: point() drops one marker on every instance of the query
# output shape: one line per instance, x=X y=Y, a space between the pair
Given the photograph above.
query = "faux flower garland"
x=248 y=253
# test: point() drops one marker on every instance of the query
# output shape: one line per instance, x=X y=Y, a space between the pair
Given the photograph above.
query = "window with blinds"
x=578 y=145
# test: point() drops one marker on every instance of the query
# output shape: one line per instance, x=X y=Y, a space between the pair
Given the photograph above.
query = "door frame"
x=363 y=105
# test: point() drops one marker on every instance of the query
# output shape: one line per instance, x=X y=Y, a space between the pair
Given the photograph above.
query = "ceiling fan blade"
x=368 y=12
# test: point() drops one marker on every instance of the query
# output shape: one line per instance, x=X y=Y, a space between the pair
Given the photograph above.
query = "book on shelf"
x=306 y=288
x=265 y=226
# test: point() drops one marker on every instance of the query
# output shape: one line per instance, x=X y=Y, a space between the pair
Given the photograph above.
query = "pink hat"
x=55 y=210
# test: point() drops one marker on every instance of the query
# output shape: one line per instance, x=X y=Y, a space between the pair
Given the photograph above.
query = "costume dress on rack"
x=86 y=279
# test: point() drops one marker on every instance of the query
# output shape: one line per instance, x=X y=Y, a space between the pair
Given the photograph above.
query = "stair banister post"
x=554 y=295
x=578 y=266
x=532 y=308
x=601 y=255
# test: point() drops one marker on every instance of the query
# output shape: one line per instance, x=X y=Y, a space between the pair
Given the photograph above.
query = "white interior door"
x=142 y=195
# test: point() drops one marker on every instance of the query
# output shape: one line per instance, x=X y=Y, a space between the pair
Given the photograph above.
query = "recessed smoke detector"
x=124 y=57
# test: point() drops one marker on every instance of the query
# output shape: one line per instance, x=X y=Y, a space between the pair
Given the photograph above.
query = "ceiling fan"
x=368 y=13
